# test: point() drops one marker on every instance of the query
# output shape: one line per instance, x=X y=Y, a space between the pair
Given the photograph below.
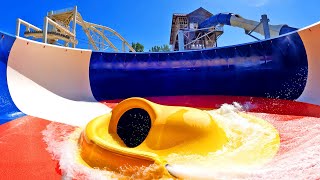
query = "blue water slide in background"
x=221 y=18
x=8 y=110
x=275 y=68
x=225 y=19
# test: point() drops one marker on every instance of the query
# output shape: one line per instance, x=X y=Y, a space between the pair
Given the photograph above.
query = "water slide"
x=41 y=83
x=236 y=20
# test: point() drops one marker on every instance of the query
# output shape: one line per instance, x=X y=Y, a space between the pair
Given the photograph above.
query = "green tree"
x=164 y=48
x=155 y=49
x=138 y=47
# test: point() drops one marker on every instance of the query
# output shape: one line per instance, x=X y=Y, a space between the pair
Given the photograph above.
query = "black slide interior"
x=133 y=127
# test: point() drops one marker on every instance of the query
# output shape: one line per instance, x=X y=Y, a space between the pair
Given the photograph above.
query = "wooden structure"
x=194 y=38
x=61 y=26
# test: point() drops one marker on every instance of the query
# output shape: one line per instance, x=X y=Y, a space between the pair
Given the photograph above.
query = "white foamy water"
x=62 y=145
x=298 y=156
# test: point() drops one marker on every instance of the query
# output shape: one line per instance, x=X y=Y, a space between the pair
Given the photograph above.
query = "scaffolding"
x=186 y=35
x=200 y=38
x=61 y=25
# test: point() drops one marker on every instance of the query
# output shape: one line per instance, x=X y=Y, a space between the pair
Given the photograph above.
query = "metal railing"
x=28 y=26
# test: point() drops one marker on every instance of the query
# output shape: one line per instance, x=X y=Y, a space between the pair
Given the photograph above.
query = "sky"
x=149 y=21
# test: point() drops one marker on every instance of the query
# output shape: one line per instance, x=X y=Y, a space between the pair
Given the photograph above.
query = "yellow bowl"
x=139 y=133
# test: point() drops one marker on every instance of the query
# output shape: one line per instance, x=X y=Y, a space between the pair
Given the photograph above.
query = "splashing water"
x=298 y=156
x=62 y=145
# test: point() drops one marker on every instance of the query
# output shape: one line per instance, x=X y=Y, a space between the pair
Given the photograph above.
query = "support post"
x=45 y=30
x=123 y=46
x=18 y=27
x=181 y=40
x=215 y=40
x=50 y=27
x=265 y=23
x=75 y=11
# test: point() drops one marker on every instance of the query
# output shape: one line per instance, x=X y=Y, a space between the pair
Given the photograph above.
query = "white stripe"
x=52 y=82
x=311 y=40
x=63 y=71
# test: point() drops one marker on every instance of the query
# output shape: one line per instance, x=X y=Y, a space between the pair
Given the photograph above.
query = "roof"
x=179 y=14
x=201 y=9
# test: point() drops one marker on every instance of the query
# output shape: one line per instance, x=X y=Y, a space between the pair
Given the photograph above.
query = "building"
x=193 y=37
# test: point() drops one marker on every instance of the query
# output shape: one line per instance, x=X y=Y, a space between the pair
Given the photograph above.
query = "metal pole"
x=74 y=24
x=123 y=46
x=215 y=39
x=265 y=23
x=50 y=27
x=18 y=27
x=181 y=40
x=45 y=30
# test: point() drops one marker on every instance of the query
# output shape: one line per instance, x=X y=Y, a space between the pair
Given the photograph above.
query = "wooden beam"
x=112 y=31
x=81 y=22
x=104 y=37
x=61 y=28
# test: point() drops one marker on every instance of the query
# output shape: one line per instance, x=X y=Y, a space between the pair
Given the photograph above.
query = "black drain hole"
x=134 y=126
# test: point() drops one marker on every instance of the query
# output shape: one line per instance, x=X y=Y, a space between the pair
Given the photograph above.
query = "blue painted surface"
x=275 y=68
x=286 y=29
x=8 y=110
x=221 y=18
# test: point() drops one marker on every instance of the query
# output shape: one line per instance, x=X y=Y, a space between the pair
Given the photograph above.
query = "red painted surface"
x=23 y=152
x=24 y=155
